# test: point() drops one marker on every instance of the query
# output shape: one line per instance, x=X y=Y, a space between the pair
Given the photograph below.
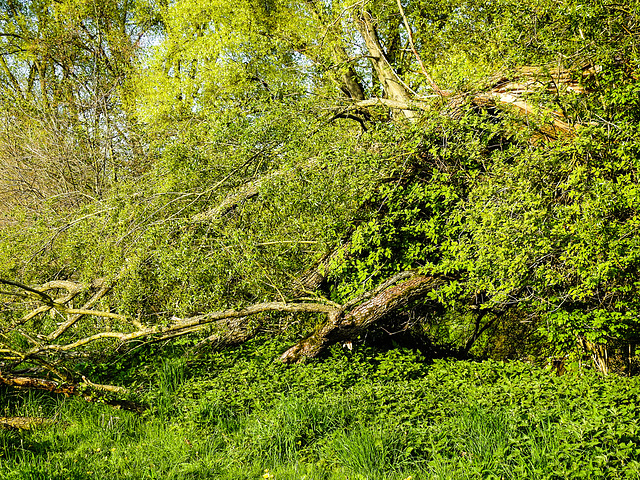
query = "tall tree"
x=65 y=87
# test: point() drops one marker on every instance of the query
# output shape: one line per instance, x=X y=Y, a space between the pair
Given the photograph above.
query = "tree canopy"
x=458 y=174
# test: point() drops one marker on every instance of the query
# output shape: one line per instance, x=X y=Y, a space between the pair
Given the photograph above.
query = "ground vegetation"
x=364 y=414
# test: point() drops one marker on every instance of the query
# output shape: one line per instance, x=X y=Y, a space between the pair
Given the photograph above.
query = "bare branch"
x=43 y=296
x=232 y=325
x=104 y=388
x=77 y=315
x=96 y=313
x=179 y=327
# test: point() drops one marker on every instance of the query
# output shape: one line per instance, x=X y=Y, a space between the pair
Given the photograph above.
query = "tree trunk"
x=347 y=78
x=394 y=88
x=231 y=326
x=346 y=324
x=88 y=390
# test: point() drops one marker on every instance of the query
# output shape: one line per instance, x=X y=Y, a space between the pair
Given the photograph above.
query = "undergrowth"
x=358 y=414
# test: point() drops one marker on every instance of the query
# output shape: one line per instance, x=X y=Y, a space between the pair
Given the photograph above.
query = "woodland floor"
x=360 y=414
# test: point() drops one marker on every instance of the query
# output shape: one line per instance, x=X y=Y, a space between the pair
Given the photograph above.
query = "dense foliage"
x=210 y=153
x=170 y=160
x=192 y=189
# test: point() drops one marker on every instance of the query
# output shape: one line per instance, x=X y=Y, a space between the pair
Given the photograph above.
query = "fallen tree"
x=510 y=94
x=51 y=327
x=24 y=423
x=92 y=392
x=51 y=350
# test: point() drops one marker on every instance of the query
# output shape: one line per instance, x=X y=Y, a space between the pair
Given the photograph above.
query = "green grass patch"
x=353 y=415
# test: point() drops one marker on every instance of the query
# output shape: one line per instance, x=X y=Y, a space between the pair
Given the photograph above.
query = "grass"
x=355 y=415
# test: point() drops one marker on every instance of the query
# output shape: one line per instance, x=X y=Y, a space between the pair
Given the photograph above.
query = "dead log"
x=24 y=423
x=89 y=391
x=232 y=326
x=39 y=384
x=348 y=323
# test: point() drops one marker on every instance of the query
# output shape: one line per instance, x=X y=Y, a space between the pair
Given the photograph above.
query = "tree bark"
x=232 y=326
x=24 y=423
x=346 y=324
x=88 y=390
x=347 y=77
x=394 y=88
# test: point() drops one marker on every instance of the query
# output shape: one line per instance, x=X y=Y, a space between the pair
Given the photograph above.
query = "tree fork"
x=395 y=90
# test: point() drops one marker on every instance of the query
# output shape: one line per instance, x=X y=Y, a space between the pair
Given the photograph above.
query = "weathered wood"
x=231 y=326
x=599 y=354
x=24 y=423
x=502 y=92
x=347 y=324
x=39 y=384
x=397 y=94
x=89 y=391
